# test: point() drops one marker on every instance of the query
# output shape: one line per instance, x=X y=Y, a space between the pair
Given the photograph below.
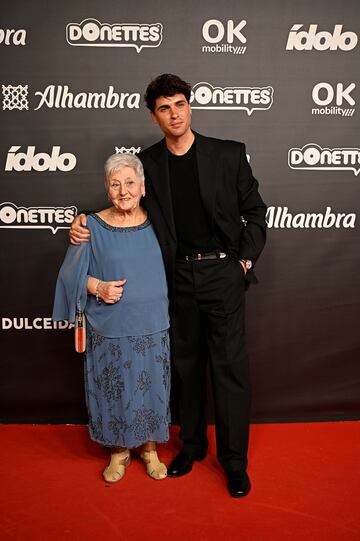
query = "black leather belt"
x=201 y=257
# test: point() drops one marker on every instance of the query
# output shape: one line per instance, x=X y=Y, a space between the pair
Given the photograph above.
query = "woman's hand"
x=109 y=292
x=78 y=231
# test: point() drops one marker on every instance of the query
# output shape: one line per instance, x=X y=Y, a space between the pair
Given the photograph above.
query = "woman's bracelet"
x=98 y=300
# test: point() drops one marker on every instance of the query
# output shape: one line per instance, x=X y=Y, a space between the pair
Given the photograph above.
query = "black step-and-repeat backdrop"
x=280 y=76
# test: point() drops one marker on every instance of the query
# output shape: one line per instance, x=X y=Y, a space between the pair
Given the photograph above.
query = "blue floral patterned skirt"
x=127 y=388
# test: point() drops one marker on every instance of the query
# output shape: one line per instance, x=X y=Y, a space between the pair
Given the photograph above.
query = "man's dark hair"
x=165 y=85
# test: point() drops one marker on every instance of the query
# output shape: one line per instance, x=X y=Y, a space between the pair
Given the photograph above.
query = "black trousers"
x=208 y=325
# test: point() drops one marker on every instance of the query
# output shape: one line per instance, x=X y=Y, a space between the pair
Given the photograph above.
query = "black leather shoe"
x=182 y=464
x=238 y=484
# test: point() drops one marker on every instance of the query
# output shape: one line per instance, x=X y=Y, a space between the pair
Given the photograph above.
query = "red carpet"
x=306 y=485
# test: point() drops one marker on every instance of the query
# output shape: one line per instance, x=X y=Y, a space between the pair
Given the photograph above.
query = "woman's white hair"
x=119 y=161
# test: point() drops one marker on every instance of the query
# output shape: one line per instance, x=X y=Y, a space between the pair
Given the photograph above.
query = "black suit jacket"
x=229 y=193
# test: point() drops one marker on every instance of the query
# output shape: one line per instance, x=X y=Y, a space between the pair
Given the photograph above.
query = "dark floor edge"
x=262 y=421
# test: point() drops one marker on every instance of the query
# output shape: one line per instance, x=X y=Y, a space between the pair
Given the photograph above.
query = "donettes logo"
x=206 y=96
x=312 y=156
x=53 y=218
x=93 y=33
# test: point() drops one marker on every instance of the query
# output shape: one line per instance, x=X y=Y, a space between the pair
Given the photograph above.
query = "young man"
x=210 y=221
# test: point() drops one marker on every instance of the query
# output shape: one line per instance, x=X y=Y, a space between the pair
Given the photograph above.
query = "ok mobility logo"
x=224 y=39
x=331 y=98
x=54 y=218
x=206 y=96
x=93 y=33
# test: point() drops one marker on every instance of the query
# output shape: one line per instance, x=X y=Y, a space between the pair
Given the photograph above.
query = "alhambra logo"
x=10 y=36
x=15 y=97
x=127 y=150
x=62 y=97
x=283 y=218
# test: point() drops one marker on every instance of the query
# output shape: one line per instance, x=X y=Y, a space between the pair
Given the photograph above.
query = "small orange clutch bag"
x=80 y=332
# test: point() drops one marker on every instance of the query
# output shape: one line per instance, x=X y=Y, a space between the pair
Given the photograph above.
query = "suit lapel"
x=208 y=164
x=158 y=170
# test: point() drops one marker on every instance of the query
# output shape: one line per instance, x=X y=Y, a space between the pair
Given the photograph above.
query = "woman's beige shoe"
x=154 y=468
x=115 y=471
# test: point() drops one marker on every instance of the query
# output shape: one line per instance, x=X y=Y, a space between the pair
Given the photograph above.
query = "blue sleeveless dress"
x=127 y=360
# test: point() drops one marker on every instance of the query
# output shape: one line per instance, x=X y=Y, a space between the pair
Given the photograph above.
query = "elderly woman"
x=118 y=280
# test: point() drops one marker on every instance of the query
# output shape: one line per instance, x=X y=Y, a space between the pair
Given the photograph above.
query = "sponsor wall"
x=280 y=76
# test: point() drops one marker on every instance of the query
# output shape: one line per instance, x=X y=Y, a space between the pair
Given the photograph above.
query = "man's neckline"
x=190 y=149
x=183 y=154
